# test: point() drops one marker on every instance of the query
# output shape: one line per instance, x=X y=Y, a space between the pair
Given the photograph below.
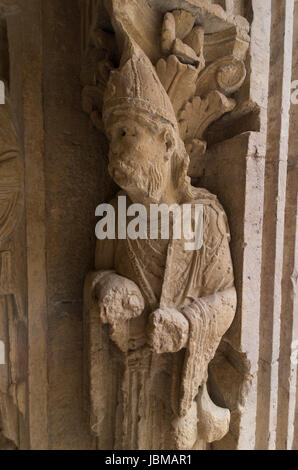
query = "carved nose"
x=115 y=148
x=123 y=145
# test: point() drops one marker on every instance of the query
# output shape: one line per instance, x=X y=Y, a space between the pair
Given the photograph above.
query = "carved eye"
x=123 y=132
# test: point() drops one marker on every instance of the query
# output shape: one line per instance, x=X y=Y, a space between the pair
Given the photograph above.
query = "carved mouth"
x=118 y=175
x=121 y=171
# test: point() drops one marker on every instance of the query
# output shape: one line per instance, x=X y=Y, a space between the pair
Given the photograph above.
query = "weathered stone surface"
x=227 y=67
x=167 y=332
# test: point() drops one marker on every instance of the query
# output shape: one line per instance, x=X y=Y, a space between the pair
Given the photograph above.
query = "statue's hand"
x=119 y=299
x=167 y=330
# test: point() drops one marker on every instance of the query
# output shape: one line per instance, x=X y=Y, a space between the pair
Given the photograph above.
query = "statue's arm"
x=117 y=299
x=214 y=305
x=214 y=312
x=218 y=294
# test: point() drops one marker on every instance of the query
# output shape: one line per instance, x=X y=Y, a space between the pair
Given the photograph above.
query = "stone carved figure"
x=154 y=312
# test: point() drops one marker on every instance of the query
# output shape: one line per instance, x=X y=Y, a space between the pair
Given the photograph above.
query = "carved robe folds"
x=141 y=399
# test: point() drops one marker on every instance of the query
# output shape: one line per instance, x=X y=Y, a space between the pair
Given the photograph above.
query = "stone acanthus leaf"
x=199 y=96
x=182 y=38
x=196 y=117
x=179 y=80
x=226 y=75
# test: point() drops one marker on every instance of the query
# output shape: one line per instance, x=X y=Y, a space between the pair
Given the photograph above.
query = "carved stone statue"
x=155 y=313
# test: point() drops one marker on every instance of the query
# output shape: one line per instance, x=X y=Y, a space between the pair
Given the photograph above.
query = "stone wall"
x=65 y=179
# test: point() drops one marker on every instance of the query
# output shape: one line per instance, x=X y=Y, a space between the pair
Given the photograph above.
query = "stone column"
x=287 y=431
x=262 y=344
x=35 y=198
x=234 y=170
x=272 y=351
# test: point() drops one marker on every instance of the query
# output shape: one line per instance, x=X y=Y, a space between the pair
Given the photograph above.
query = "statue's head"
x=146 y=151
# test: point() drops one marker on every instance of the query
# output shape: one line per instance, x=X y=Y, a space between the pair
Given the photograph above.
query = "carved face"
x=139 y=158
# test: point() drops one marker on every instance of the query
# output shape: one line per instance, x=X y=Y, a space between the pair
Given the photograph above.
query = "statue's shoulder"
x=213 y=210
x=207 y=199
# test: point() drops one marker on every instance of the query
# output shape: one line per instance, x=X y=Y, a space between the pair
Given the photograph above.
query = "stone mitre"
x=136 y=85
